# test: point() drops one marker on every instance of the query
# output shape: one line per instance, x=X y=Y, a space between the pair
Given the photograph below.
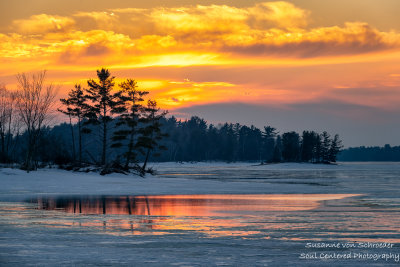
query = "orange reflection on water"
x=187 y=205
x=213 y=215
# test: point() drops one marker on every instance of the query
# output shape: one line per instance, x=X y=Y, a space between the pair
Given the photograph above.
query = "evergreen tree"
x=213 y=140
x=325 y=146
x=336 y=145
x=194 y=136
x=103 y=104
x=250 y=143
x=317 y=150
x=229 y=142
x=151 y=133
x=129 y=119
x=76 y=107
x=268 y=137
x=277 y=155
x=172 y=126
x=308 y=144
x=290 y=146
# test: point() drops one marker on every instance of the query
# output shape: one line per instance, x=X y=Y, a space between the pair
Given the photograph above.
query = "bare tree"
x=34 y=103
x=4 y=117
x=8 y=124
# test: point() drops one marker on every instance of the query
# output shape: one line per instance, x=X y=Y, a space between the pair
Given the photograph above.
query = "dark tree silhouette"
x=76 y=107
x=268 y=137
x=129 y=119
x=277 y=154
x=103 y=104
x=34 y=102
x=362 y=153
x=8 y=123
x=325 y=146
x=228 y=147
x=317 y=150
x=308 y=144
x=336 y=146
x=151 y=133
x=290 y=146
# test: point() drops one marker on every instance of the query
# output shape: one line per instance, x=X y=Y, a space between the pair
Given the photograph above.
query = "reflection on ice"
x=213 y=215
x=185 y=205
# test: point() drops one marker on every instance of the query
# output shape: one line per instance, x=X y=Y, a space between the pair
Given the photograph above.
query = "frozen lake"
x=206 y=214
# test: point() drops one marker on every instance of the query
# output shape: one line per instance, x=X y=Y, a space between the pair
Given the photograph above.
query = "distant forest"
x=190 y=141
x=120 y=130
x=195 y=140
x=386 y=153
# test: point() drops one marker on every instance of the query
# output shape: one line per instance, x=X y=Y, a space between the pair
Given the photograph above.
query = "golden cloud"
x=97 y=20
x=222 y=33
x=353 y=38
x=277 y=14
x=43 y=23
x=186 y=93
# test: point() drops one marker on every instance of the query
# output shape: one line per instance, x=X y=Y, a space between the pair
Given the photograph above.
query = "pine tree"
x=277 y=155
x=151 y=134
x=268 y=137
x=308 y=145
x=129 y=119
x=290 y=146
x=228 y=147
x=325 y=146
x=103 y=104
x=336 y=146
x=317 y=150
x=76 y=107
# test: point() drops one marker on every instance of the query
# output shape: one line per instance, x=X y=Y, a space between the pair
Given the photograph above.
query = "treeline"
x=195 y=140
x=362 y=153
x=115 y=128
x=109 y=117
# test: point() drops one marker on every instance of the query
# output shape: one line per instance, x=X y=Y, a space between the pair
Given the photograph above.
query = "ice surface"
x=267 y=237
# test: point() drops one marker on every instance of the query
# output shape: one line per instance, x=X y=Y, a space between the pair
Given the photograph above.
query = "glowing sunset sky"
x=295 y=65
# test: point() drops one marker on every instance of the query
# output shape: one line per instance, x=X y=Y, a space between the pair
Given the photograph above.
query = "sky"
x=295 y=65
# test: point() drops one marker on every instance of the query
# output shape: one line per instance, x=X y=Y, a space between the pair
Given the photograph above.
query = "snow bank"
x=188 y=178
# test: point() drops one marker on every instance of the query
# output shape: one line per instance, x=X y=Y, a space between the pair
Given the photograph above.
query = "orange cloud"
x=242 y=44
x=43 y=23
x=131 y=36
x=352 y=39
x=277 y=14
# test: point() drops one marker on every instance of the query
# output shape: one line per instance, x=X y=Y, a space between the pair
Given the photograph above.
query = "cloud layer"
x=225 y=33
